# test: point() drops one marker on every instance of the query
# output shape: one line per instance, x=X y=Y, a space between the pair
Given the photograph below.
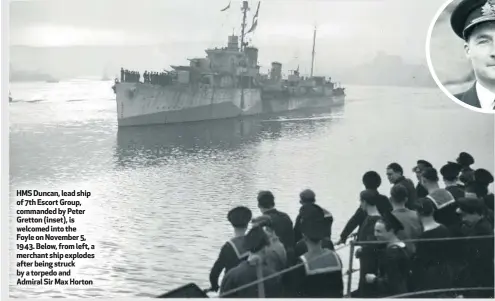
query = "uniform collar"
x=485 y=96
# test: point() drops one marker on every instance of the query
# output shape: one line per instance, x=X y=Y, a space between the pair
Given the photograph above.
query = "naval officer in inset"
x=474 y=22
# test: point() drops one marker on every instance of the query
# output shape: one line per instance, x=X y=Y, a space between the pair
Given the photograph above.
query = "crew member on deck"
x=474 y=22
x=394 y=262
x=479 y=266
x=319 y=271
x=371 y=180
x=368 y=254
x=421 y=165
x=450 y=174
x=444 y=201
x=308 y=197
x=312 y=211
x=280 y=221
x=234 y=250
x=251 y=270
x=395 y=175
x=465 y=160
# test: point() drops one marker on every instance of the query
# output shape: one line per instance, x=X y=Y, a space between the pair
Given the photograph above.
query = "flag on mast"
x=228 y=6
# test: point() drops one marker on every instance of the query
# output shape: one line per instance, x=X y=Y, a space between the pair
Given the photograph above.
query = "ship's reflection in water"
x=157 y=144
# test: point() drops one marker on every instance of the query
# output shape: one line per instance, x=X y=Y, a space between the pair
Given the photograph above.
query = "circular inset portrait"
x=460 y=50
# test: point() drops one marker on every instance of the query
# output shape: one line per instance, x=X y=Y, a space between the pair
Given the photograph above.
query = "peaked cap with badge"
x=470 y=13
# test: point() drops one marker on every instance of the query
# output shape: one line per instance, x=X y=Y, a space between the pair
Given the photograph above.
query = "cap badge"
x=488 y=9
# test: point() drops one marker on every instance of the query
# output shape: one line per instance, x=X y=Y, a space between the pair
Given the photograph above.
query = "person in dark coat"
x=371 y=180
x=251 y=270
x=368 y=254
x=443 y=200
x=319 y=270
x=395 y=175
x=312 y=211
x=465 y=160
x=421 y=165
x=450 y=174
x=309 y=197
x=478 y=253
x=280 y=221
x=234 y=250
x=432 y=262
x=474 y=22
x=394 y=262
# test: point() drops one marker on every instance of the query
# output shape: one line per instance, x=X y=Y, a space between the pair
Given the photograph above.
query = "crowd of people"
x=149 y=77
x=419 y=237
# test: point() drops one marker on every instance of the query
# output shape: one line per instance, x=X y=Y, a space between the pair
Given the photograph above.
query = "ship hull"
x=145 y=104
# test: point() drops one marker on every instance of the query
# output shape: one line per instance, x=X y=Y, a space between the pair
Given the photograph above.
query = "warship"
x=227 y=83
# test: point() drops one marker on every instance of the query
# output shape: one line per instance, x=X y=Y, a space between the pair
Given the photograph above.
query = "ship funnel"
x=252 y=56
x=276 y=71
x=233 y=43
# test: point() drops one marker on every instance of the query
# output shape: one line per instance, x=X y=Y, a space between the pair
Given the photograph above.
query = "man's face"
x=480 y=49
x=392 y=176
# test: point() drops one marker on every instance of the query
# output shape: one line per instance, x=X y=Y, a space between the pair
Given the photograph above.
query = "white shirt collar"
x=485 y=96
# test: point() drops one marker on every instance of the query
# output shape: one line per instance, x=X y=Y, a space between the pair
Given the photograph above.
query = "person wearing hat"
x=309 y=211
x=319 y=270
x=445 y=205
x=394 y=262
x=479 y=266
x=450 y=174
x=368 y=254
x=234 y=250
x=474 y=22
x=251 y=270
x=421 y=165
x=307 y=197
x=465 y=160
x=432 y=263
x=276 y=256
x=371 y=180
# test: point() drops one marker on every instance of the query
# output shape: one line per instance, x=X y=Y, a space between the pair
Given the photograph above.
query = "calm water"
x=160 y=194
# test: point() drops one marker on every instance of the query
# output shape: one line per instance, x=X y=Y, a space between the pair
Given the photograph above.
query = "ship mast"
x=313 y=52
x=245 y=8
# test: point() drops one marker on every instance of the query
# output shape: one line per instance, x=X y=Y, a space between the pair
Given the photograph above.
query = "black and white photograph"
x=462 y=59
x=248 y=149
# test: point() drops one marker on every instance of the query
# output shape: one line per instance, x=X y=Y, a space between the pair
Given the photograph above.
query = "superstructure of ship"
x=225 y=84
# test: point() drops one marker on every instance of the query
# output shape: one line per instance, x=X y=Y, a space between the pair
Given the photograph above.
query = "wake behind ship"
x=225 y=84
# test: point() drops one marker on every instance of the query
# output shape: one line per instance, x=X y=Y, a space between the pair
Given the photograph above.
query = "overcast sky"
x=367 y=26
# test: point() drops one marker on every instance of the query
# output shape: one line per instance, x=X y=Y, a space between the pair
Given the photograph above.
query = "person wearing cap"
x=276 y=256
x=394 y=261
x=312 y=211
x=319 y=271
x=479 y=266
x=450 y=174
x=445 y=204
x=307 y=197
x=234 y=250
x=368 y=254
x=251 y=270
x=421 y=165
x=371 y=180
x=473 y=21
x=395 y=175
x=408 y=218
x=432 y=263
x=280 y=221
x=465 y=160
